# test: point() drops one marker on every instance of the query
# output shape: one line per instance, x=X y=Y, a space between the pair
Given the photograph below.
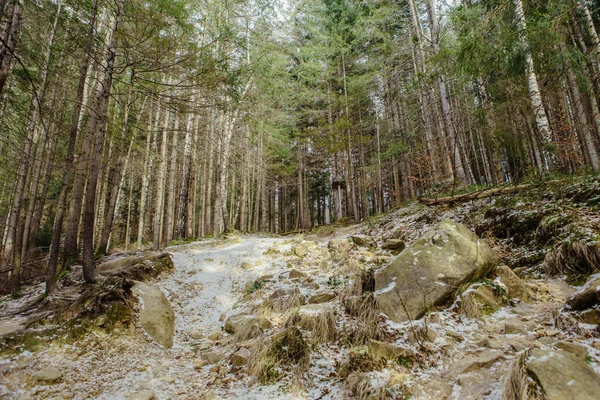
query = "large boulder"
x=588 y=296
x=156 y=315
x=429 y=271
x=562 y=375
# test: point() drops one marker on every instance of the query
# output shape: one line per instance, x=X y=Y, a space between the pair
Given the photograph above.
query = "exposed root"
x=573 y=258
x=517 y=385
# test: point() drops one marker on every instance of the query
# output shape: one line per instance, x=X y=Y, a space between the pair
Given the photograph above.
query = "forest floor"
x=272 y=277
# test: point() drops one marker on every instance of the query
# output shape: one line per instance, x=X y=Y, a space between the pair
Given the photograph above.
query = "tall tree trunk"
x=37 y=169
x=115 y=175
x=62 y=197
x=97 y=122
x=184 y=189
x=541 y=118
x=160 y=190
x=170 y=207
x=146 y=176
x=584 y=128
x=10 y=40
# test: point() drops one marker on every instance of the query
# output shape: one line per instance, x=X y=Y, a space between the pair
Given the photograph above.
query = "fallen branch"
x=481 y=194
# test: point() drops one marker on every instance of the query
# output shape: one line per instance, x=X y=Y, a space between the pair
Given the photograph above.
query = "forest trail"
x=208 y=281
x=317 y=286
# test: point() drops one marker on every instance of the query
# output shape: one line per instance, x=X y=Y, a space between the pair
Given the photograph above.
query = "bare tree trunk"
x=115 y=175
x=170 y=207
x=146 y=176
x=160 y=190
x=62 y=197
x=97 y=122
x=10 y=39
x=541 y=118
x=584 y=128
x=184 y=189
x=37 y=170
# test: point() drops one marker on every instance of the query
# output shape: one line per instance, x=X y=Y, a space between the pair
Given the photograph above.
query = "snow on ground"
x=211 y=278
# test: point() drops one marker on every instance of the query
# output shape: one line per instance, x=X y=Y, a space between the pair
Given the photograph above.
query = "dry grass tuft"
x=286 y=354
x=573 y=258
x=470 y=307
x=366 y=312
x=321 y=324
x=360 y=360
x=249 y=331
x=517 y=385
x=359 y=384
x=281 y=304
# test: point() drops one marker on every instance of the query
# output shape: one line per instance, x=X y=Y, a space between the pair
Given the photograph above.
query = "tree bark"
x=68 y=172
x=97 y=122
x=535 y=95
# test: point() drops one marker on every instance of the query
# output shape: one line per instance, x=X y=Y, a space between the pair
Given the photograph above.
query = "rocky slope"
x=301 y=317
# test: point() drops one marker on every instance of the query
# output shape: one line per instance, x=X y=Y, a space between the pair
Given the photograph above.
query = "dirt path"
x=207 y=282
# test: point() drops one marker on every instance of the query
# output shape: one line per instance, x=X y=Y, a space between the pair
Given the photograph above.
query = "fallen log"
x=481 y=194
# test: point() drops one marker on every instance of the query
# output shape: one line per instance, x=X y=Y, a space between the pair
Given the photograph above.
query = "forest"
x=303 y=200
x=139 y=124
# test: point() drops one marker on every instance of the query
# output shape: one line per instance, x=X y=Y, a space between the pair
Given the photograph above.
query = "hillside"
x=270 y=317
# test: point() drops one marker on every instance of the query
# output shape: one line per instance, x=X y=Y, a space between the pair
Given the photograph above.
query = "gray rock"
x=213 y=357
x=156 y=315
x=240 y=357
x=301 y=249
x=322 y=298
x=515 y=288
x=574 y=348
x=516 y=327
x=236 y=323
x=394 y=245
x=562 y=375
x=8 y=328
x=339 y=245
x=385 y=350
x=295 y=274
x=429 y=272
x=587 y=296
x=142 y=395
x=48 y=374
x=247 y=266
x=364 y=241
x=470 y=364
